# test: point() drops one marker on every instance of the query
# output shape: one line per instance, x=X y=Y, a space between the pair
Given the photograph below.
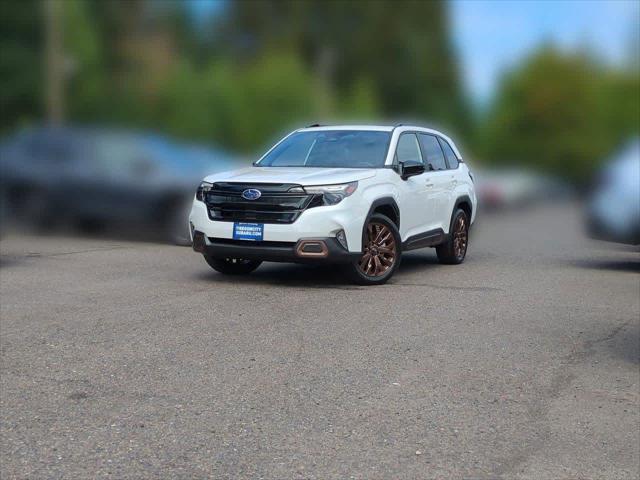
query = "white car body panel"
x=301 y=175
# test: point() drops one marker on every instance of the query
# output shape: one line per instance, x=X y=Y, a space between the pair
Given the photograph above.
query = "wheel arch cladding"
x=463 y=203
x=388 y=207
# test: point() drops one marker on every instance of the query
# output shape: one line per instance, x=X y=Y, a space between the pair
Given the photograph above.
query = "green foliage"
x=241 y=106
x=272 y=65
x=237 y=106
x=561 y=114
x=263 y=98
x=21 y=63
x=86 y=82
x=398 y=51
x=267 y=66
x=360 y=102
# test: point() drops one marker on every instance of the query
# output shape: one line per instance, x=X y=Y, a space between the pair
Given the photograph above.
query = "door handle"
x=429 y=185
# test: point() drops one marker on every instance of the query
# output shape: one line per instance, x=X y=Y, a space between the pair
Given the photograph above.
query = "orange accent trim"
x=323 y=253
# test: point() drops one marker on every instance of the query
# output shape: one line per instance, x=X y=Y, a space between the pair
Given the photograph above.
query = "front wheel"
x=232 y=266
x=453 y=251
x=381 y=250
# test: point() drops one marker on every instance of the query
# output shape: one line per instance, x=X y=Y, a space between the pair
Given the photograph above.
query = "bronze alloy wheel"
x=460 y=237
x=380 y=251
x=453 y=250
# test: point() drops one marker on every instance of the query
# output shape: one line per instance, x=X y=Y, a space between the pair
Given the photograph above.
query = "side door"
x=438 y=182
x=416 y=213
x=455 y=173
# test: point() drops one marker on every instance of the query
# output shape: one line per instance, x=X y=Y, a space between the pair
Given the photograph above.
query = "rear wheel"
x=453 y=251
x=381 y=251
x=232 y=266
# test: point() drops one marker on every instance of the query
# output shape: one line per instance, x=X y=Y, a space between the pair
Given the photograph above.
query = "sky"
x=492 y=36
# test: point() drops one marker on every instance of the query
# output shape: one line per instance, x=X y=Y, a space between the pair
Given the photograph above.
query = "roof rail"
x=313 y=125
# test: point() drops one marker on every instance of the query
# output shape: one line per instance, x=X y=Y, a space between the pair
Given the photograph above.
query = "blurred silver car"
x=613 y=212
x=512 y=188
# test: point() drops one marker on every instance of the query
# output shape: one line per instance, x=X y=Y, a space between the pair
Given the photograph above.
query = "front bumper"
x=317 y=222
x=308 y=250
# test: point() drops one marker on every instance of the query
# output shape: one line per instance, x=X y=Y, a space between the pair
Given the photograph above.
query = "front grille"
x=276 y=204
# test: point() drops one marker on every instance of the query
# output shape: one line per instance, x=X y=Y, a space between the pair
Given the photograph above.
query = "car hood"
x=299 y=175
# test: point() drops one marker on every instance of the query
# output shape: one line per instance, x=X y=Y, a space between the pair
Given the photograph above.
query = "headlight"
x=202 y=190
x=332 y=194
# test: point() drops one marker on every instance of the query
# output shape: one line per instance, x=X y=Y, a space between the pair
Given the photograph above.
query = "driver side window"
x=408 y=148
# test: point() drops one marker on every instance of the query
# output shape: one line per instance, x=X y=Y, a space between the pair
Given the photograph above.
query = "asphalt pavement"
x=130 y=359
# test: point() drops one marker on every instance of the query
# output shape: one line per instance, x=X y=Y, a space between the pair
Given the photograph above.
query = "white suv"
x=352 y=195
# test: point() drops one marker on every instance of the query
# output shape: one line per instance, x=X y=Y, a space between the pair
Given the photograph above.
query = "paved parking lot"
x=136 y=360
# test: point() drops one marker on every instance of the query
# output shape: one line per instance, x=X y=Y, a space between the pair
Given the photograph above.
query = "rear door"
x=453 y=170
x=438 y=182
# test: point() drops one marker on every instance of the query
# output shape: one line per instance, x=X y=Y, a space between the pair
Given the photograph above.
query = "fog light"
x=311 y=247
x=342 y=238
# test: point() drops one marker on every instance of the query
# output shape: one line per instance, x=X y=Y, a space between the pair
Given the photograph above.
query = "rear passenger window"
x=433 y=152
x=408 y=149
x=452 y=160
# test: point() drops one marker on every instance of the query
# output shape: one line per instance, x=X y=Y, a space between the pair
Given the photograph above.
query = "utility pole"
x=54 y=58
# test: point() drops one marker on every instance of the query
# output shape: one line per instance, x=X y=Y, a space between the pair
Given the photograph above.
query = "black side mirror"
x=411 y=168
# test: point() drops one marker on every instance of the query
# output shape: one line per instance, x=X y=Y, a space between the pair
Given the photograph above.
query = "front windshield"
x=330 y=149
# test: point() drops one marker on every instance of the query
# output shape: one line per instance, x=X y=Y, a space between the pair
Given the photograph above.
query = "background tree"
x=560 y=113
x=21 y=63
x=402 y=49
x=260 y=67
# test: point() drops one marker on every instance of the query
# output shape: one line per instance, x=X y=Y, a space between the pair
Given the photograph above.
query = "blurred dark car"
x=613 y=211
x=95 y=178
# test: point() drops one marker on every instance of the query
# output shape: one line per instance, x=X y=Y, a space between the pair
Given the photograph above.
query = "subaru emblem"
x=251 y=194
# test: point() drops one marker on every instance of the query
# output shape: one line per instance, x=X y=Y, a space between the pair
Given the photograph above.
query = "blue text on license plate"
x=248 y=231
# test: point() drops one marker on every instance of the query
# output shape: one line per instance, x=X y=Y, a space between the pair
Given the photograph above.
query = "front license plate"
x=248 y=231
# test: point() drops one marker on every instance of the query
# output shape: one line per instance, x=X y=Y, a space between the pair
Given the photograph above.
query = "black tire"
x=381 y=253
x=232 y=266
x=454 y=249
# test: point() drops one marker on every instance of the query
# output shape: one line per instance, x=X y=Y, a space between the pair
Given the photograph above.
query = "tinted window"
x=433 y=152
x=292 y=152
x=452 y=160
x=408 y=148
x=330 y=148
